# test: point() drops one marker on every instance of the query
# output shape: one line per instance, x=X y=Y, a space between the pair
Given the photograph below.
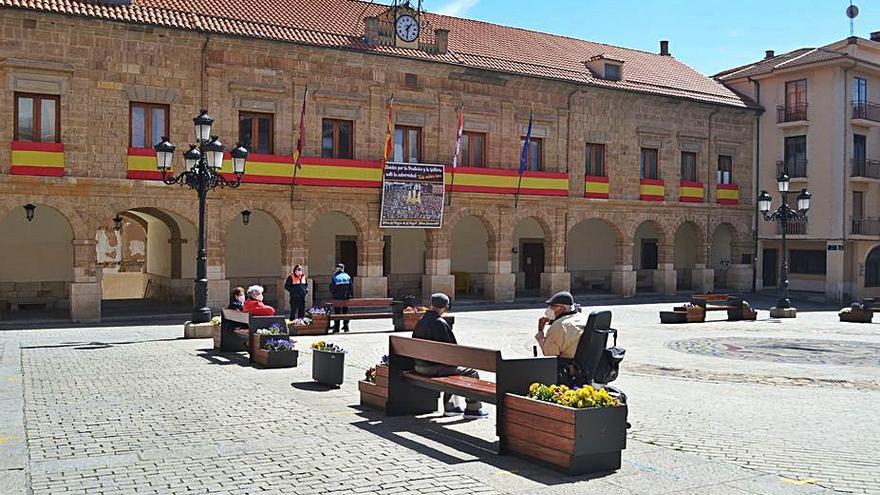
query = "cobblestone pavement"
x=137 y=410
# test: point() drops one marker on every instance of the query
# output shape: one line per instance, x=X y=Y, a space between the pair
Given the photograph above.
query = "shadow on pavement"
x=87 y=346
x=458 y=448
x=311 y=386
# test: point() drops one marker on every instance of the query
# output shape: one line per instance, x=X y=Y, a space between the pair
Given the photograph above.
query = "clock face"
x=407 y=28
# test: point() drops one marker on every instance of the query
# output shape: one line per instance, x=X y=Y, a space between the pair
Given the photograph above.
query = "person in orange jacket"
x=254 y=303
x=297 y=286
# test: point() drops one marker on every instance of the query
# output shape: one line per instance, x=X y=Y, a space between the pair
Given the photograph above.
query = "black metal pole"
x=201 y=313
x=784 y=301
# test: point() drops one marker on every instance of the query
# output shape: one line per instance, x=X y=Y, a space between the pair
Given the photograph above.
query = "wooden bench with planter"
x=374 y=387
x=859 y=312
x=228 y=336
x=318 y=322
x=695 y=312
x=410 y=393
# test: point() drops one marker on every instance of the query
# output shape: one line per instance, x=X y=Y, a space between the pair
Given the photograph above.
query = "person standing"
x=432 y=326
x=341 y=288
x=297 y=287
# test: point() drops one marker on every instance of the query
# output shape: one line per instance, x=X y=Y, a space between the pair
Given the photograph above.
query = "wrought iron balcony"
x=791 y=113
x=793 y=227
x=865 y=168
x=865 y=110
x=865 y=226
x=792 y=168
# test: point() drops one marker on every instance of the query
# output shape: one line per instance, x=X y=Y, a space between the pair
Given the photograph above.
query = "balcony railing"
x=865 y=168
x=794 y=227
x=866 y=226
x=866 y=110
x=791 y=113
x=792 y=168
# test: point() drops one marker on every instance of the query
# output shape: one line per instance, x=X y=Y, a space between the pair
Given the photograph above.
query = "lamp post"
x=201 y=174
x=783 y=216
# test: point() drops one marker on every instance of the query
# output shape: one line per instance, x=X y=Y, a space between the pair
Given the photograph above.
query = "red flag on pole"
x=457 y=149
x=389 y=131
x=301 y=140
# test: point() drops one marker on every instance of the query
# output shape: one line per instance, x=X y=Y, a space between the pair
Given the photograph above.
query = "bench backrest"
x=360 y=303
x=235 y=315
x=440 y=352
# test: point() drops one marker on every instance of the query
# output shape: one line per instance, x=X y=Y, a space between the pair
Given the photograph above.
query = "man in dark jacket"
x=432 y=326
x=341 y=288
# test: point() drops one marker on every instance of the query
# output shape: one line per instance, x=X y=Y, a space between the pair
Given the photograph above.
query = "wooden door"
x=532 y=263
x=348 y=255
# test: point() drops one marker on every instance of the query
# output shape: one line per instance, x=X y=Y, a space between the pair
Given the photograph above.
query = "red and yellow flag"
x=301 y=140
x=389 y=130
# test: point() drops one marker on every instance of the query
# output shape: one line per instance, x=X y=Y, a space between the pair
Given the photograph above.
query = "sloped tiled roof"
x=801 y=56
x=476 y=44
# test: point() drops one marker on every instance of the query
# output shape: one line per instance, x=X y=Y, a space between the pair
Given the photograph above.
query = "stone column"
x=664 y=275
x=437 y=277
x=555 y=278
x=500 y=282
x=623 y=276
x=370 y=281
x=739 y=277
x=703 y=278
x=835 y=274
x=85 y=290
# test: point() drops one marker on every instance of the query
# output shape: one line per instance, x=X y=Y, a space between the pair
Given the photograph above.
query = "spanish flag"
x=389 y=130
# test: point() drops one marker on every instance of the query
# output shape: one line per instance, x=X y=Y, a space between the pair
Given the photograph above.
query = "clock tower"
x=403 y=25
x=406 y=24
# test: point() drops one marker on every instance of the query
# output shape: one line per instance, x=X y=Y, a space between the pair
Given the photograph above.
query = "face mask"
x=258 y=297
x=239 y=299
x=549 y=314
x=298 y=272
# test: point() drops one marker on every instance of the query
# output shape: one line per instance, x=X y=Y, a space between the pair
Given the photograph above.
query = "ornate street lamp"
x=117 y=223
x=29 y=212
x=245 y=216
x=202 y=174
x=783 y=216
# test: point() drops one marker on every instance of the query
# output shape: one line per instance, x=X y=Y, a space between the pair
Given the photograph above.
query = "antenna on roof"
x=852 y=12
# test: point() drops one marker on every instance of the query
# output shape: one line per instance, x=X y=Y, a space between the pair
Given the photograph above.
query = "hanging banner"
x=412 y=196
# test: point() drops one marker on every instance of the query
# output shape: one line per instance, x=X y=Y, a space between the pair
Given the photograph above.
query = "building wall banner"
x=413 y=196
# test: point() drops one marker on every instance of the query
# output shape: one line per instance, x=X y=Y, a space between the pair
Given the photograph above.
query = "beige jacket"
x=564 y=335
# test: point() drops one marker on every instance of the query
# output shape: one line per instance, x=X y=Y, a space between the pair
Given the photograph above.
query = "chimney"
x=441 y=38
x=769 y=54
x=875 y=36
x=664 y=48
x=371 y=30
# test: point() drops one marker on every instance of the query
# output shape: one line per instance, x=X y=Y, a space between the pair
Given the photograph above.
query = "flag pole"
x=516 y=198
x=457 y=149
x=299 y=143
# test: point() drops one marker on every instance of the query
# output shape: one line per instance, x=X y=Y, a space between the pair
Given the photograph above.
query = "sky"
x=708 y=35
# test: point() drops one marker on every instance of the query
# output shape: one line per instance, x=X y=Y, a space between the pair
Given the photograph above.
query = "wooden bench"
x=862 y=314
x=411 y=393
x=234 y=339
x=704 y=303
x=362 y=303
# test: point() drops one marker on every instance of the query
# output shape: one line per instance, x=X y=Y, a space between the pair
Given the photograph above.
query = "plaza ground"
x=766 y=407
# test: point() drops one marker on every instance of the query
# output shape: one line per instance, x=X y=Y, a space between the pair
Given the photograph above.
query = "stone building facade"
x=638 y=238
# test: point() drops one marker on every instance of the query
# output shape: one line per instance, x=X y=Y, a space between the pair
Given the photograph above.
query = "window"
x=796 y=156
x=725 y=169
x=337 y=137
x=473 y=149
x=860 y=90
x=535 y=159
x=872 y=269
x=37 y=118
x=650 y=254
x=688 y=166
x=612 y=72
x=795 y=93
x=407 y=144
x=807 y=261
x=256 y=132
x=595 y=161
x=650 y=168
x=149 y=122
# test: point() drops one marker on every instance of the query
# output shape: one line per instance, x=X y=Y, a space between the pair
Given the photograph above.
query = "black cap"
x=439 y=300
x=563 y=297
x=341 y=266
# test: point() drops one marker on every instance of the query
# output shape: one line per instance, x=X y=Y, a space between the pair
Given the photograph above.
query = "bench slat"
x=360 y=303
x=440 y=352
x=361 y=316
x=235 y=315
x=456 y=384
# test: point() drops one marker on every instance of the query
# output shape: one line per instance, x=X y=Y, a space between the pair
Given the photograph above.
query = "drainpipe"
x=757 y=184
x=709 y=181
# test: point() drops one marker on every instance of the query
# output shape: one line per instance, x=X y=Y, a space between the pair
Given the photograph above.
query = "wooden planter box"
x=319 y=326
x=575 y=441
x=257 y=341
x=328 y=367
x=375 y=395
x=276 y=359
x=856 y=315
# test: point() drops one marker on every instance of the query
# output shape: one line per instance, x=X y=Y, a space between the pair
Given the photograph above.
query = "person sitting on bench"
x=341 y=288
x=433 y=327
x=236 y=302
x=254 y=303
x=566 y=326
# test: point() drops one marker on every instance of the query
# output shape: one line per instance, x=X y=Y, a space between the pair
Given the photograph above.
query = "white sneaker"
x=453 y=412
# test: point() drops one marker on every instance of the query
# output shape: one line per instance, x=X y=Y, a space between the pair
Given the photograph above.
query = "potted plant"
x=856 y=313
x=315 y=322
x=261 y=335
x=374 y=387
x=277 y=353
x=215 y=332
x=578 y=431
x=328 y=363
